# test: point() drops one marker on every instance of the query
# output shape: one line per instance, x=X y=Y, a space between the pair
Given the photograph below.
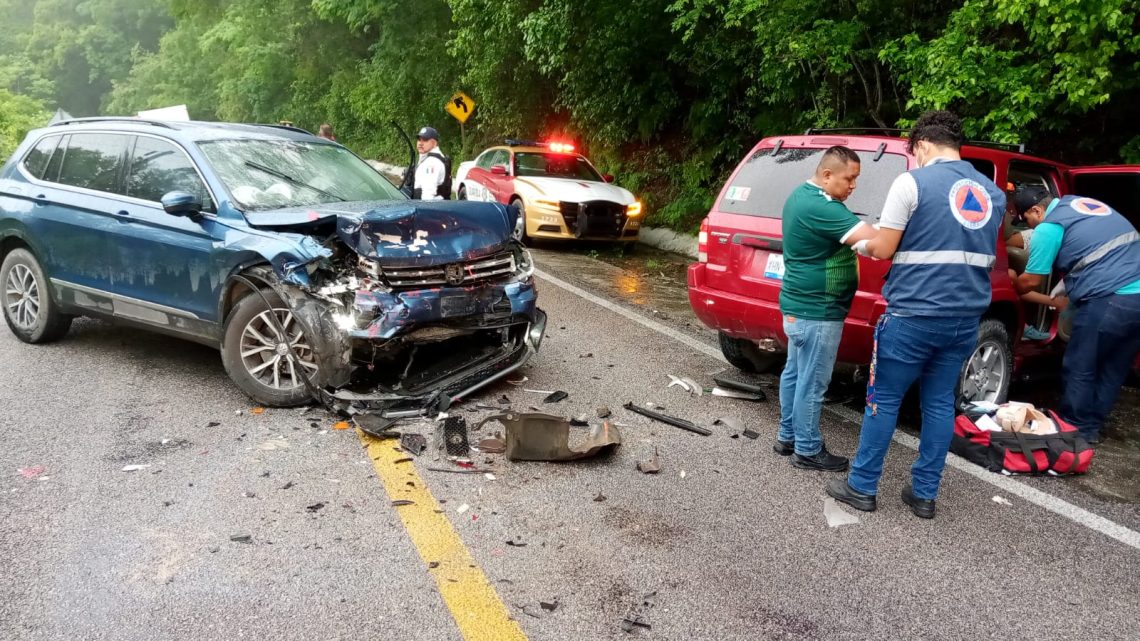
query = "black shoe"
x=784 y=448
x=839 y=490
x=823 y=461
x=922 y=508
x=1095 y=439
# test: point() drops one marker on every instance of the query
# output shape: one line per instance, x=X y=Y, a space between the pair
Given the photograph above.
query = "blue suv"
x=313 y=275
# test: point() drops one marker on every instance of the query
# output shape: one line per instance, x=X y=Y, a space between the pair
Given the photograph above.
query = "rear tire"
x=462 y=193
x=253 y=358
x=987 y=374
x=746 y=356
x=26 y=296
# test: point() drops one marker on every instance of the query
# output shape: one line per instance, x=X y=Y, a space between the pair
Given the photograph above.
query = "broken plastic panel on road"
x=408 y=305
x=545 y=437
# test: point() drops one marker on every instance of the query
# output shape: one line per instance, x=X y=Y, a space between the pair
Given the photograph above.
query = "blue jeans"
x=931 y=350
x=812 y=347
x=1102 y=347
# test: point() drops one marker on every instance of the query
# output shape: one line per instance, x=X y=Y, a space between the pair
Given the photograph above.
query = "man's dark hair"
x=1029 y=196
x=941 y=128
x=837 y=156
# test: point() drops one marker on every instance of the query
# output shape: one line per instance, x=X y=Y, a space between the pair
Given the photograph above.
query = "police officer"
x=431 y=171
x=1098 y=251
x=940 y=226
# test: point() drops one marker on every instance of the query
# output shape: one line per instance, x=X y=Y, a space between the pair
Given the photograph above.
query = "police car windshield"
x=765 y=181
x=276 y=174
x=555 y=166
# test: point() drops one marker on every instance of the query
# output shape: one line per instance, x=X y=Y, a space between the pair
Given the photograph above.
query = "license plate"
x=775 y=267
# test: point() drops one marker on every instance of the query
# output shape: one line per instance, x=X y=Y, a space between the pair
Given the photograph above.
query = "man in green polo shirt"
x=820 y=278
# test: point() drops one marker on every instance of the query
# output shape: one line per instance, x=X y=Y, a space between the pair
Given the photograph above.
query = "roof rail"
x=855 y=130
x=279 y=126
x=72 y=121
x=1019 y=147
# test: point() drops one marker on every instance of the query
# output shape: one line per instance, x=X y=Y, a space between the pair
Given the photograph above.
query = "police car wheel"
x=520 y=224
x=462 y=192
x=987 y=374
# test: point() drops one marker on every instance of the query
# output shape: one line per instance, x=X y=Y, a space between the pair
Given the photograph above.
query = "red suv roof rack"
x=888 y=131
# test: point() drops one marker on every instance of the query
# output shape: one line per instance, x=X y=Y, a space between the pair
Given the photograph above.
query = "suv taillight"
x=703 y=242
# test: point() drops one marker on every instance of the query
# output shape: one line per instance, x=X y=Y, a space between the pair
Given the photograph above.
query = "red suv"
x=735 y=286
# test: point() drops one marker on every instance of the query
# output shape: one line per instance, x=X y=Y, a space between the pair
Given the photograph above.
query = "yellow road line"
x=478 y=612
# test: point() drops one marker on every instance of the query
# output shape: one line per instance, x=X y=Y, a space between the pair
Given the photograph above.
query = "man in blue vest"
x=1098 y=251
x=940 y=226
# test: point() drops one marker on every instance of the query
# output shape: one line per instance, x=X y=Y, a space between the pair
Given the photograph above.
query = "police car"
x=558 y=192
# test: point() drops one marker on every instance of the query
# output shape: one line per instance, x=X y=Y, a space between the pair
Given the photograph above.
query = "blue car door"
x=167 y=260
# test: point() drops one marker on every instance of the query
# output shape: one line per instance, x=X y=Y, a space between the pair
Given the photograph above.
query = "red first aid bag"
x=1065 y=452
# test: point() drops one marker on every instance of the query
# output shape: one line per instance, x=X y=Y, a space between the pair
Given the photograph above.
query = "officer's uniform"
x=1098 y=251
x=430 y=175
x=937 y=289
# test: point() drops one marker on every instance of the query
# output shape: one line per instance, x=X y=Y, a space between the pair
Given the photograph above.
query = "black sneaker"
x=922 y=508
x=784 y=448
x=823 y=461
x=839 y=490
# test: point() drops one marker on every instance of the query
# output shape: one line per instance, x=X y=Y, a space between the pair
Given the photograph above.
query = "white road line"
x=1045 y=500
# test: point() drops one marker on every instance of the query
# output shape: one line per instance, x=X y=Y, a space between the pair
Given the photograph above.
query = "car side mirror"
x=499 y=170
x=181 y=203
x=608 y=177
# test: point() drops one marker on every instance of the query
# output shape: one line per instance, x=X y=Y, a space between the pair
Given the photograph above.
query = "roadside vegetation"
x=665 y=94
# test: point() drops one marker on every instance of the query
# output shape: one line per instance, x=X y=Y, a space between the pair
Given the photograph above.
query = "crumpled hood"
x=407 y=233
x=577 y=191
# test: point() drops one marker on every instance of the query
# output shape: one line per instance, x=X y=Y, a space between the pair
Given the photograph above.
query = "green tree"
x=18 y=115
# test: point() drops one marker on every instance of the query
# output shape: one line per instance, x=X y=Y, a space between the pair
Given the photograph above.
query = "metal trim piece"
x=125 y=299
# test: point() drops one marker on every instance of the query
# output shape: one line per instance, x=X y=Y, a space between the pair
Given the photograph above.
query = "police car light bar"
x=556 y=147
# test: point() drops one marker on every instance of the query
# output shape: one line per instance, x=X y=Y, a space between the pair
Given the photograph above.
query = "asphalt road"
x=730 y=541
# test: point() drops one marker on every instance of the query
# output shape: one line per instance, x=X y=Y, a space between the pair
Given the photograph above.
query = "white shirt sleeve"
x=901 y=202
x=429 y=176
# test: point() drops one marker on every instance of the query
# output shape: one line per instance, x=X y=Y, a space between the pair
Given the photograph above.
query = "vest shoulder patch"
x=970 y=203
x=1090 y=207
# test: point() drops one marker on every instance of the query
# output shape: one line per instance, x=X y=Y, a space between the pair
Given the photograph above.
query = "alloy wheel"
x=266 y=355
x=22 y=297
x=985 y=373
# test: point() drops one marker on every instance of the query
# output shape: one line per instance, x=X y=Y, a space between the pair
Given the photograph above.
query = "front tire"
x=987 y=374
x=520 y=224
x=255 y=357
x=462 y=194
x=29 y=309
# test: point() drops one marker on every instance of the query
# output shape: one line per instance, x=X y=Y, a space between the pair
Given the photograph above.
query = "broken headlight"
x=524 y=264
x=370 y=267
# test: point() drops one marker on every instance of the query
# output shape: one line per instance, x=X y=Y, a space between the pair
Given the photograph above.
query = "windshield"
x=555 y=166
x=765 y=182
x=276 y=174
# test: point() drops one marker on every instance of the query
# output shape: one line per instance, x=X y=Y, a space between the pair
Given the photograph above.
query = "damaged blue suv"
x=313 y=275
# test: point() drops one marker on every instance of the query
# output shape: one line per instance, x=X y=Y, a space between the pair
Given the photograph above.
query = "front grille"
x=464 y=273
x=593 y=218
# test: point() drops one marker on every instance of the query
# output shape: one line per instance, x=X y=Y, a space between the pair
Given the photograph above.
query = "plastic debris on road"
x=1001 y=500
x=32 y=472
x=341 y=425
x=744 y=396
x=835 y=515
x=651 y=466
x=135 y=468
x=556 y=397
x=545 y=437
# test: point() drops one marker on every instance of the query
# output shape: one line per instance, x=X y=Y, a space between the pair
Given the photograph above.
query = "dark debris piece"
x=549 y=606
x=556 y=397
x=213 y=424
x=315 y=507
x=241 y=538
x=399 y=502
x=455 y=436
x=751 y=433
x=504 y=400
x=413 y=444
x=287 y=485
x=604 y=412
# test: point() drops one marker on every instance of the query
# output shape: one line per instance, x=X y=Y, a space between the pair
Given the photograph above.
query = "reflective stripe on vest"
x=944 y=257
x=1102 y=251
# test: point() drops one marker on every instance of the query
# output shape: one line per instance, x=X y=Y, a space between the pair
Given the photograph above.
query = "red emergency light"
x=561 y=147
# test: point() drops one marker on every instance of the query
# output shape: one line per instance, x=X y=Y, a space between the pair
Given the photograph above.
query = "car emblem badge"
x=453 y=273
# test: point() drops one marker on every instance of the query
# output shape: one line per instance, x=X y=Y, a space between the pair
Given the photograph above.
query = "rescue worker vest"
x=1100 y=251
x=943 y=262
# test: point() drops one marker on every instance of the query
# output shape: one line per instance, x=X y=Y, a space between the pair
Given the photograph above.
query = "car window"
x=94 y=161
x=485 y=158
x=765 y=181
x=1024 y=173
x=1119 y=191
x=555 y=165
x=501 y=157
x=277 y=174
x=984 y=167
x=37 y=159
x=159 y=167
x=51 y=174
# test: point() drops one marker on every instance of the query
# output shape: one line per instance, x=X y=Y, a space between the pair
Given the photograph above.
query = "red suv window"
x=765 y=181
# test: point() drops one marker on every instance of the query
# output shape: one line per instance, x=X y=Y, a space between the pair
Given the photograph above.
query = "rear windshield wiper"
x=299 y=183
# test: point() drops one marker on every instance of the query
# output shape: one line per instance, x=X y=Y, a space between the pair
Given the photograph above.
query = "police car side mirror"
x=608 y=177
x=499 y=170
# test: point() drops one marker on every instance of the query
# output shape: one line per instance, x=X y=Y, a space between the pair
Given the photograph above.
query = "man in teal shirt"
x=1098 y=251
x=820 y=278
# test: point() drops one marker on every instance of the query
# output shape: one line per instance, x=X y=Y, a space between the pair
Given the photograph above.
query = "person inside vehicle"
x=940 y=226
x=431 y=171
x=820 y=279
x=326 y=132
x=1017 y=243
x=1098 y=250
